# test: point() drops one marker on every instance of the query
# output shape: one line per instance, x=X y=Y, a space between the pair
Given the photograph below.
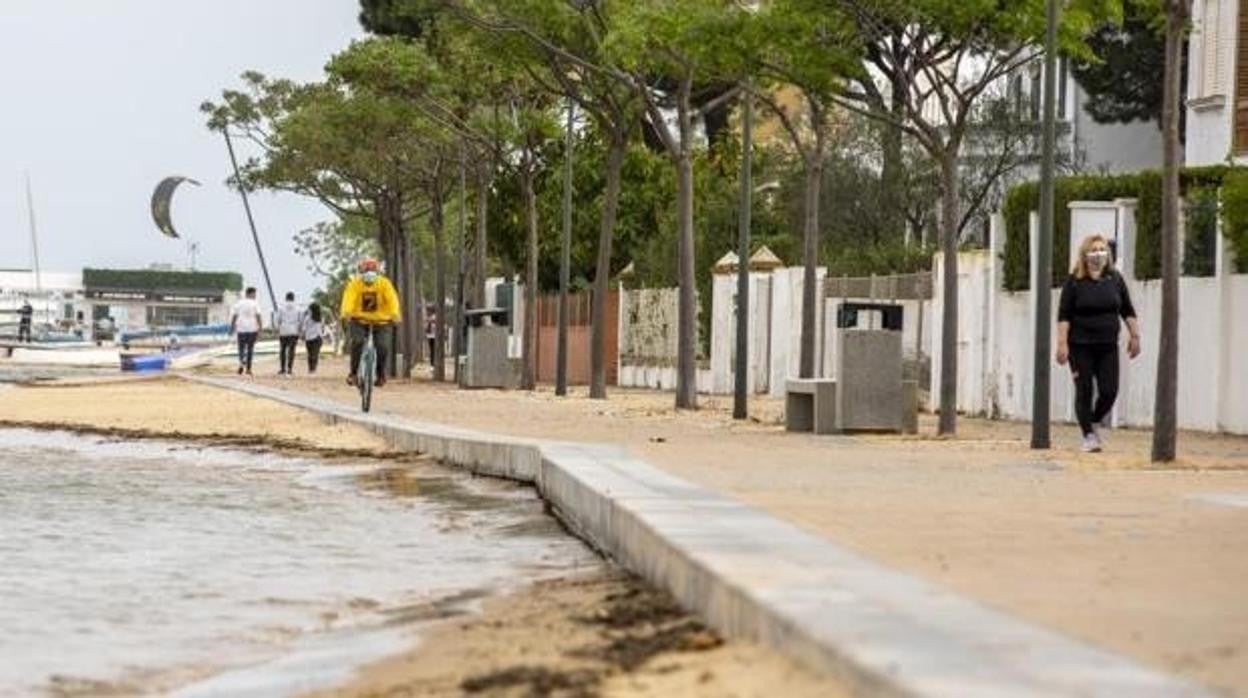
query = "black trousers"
x=246 y=349
x=286 y=346
x=1094 y=364
x=23 y=331
x=314 y=353
x=381 y=340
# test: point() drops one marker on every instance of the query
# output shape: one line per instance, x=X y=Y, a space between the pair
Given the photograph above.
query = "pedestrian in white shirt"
x=313 y=334
x=245 y=321
x=288 y=320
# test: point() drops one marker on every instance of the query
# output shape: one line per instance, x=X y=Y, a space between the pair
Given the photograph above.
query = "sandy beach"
x=601 y=633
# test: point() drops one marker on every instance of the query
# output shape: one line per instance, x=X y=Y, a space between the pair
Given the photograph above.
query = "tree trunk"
x=949 y=293
x=478 y=252
x=417 y=328
x=1165 y=417
x=407 y=310
x=602 y=271
x=390 y=225
x=529 y=348
x=687 y=318
x=892 y=169
x=438 y=223
x=810 y=257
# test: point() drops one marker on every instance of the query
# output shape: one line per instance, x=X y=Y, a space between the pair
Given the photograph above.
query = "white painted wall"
x=1213 y=347
x=724 y=332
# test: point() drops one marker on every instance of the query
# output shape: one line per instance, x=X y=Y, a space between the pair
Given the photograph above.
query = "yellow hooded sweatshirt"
x=372 y=303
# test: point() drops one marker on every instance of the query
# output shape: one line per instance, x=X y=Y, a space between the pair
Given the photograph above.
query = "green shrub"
x=1145 y=187
x=1148 y=226
x=154 y=280
x=1200 y=234
x=1235 y=216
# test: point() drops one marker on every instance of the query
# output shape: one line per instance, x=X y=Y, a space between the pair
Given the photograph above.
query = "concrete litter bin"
x=487 y=363
x=868 y=393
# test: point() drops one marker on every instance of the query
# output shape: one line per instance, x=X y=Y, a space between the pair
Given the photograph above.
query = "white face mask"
x=370 y=277
x=1097 y=259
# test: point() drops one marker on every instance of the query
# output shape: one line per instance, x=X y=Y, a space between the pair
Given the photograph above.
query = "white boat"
x=63 y=355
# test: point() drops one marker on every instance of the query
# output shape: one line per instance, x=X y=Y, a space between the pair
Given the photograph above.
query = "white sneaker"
x=1091 y=444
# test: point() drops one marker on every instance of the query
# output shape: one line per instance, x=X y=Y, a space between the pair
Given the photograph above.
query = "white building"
x=1217 y=84
x=53 y=295
x=138 y=299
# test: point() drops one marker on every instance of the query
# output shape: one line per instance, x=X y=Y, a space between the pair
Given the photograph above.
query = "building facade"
x=136 y=299
x=54 y=296
x=1217 y=83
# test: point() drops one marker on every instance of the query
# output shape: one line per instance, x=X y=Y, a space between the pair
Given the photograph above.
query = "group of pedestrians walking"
x=292 y=323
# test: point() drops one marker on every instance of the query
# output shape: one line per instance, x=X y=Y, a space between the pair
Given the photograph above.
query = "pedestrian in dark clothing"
x=313 y=335
x=287 y=320
x=25 y=314
x=1093 y=305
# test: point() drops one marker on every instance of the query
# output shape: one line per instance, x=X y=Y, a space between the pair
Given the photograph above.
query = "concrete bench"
x=810 y=405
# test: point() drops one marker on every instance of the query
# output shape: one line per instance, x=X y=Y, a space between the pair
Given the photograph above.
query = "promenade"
x=1148 y=563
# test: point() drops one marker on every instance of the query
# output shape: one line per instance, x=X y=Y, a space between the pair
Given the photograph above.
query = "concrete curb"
x=751 y=575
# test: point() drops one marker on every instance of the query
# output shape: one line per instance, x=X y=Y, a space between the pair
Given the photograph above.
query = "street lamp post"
x=1041 y=285
x=565 y=260
x=740 y=408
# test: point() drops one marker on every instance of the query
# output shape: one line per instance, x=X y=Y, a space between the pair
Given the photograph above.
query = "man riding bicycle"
x=369 y=299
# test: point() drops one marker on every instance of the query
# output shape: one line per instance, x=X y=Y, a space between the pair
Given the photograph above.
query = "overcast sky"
x=101 y=100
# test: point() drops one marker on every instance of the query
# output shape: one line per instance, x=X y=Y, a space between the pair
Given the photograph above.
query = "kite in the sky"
x=162 y=199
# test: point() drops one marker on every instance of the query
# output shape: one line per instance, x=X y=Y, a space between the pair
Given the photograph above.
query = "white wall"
x=1213 y=346
x=724 y=332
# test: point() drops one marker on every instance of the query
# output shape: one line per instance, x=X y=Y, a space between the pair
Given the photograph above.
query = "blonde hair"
x=1080 y=270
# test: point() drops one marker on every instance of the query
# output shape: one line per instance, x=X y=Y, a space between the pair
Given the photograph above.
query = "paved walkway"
x=1149 y=563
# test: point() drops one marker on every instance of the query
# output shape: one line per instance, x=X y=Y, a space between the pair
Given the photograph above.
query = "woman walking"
x=1093 y=305
x=313 y=334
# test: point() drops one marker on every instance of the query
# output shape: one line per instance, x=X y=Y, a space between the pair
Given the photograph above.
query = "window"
x=176 y=316
x=1063 y=75
x=1037 y=92
x=1211 y=80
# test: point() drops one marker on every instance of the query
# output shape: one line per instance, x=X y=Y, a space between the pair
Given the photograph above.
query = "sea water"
x=158 y=567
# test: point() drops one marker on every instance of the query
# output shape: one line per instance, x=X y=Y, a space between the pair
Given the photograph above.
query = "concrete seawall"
x=753 y=576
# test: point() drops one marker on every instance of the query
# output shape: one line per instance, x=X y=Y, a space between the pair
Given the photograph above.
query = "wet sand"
x=169 y=408
x=605 y=633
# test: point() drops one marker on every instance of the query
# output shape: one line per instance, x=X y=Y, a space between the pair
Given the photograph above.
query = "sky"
x=101 y=101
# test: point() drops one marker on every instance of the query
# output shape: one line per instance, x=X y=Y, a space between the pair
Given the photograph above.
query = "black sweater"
x=1093 y=306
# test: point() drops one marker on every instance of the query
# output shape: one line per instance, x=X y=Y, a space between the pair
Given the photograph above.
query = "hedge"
x=152 y=279
x=1235 y=216
x=1145 y=187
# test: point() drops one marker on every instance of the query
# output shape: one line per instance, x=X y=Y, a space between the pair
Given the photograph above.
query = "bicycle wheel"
x=367 y=374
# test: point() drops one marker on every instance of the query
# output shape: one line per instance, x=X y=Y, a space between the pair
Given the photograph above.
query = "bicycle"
x=366 y=374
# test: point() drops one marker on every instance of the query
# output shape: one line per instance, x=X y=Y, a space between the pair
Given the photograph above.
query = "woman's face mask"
x=370 y=277
x=1097 y=259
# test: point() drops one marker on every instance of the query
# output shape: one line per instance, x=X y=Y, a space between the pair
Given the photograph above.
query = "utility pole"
x=740 y=408
x=565 y=260
x=34 y=237
x=1042 y=285
x=229 y=145
x=458 y=339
